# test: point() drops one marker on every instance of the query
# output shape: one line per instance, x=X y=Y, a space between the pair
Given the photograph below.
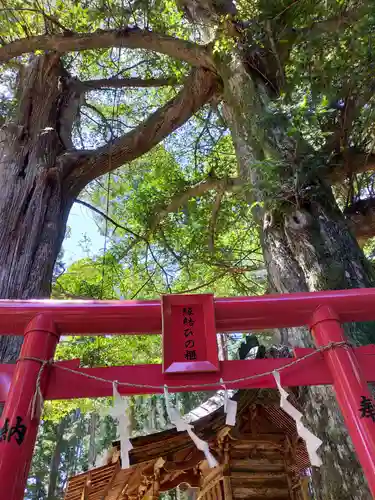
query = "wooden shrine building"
x=262 y=457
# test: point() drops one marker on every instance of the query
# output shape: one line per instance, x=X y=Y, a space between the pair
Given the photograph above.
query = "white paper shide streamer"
x=182 y=425
x=312 y=442
x=230 y=407
x=120 y=412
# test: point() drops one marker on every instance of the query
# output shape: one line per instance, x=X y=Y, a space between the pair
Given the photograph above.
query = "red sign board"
x=189 y=334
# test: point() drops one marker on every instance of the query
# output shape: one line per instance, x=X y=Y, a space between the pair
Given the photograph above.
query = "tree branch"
x=198 y=89
x=216 y=277
x=142 y=286
x=315 y=30
x=180 y=199
x=106 y=122
x=50 y=18
x=214 y=216
x=350 y=163
x=105 y=216
x=330 y=25
x=119 y=83
x=131 y=38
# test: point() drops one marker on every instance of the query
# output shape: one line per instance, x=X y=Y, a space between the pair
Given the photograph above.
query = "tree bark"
x=92 y=443
x=307 y=246
x=56 y=457
x=41 y=173
x=33 y=205
x=129 y=37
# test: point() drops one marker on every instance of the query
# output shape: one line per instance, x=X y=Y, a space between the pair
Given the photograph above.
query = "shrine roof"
x=174 y=454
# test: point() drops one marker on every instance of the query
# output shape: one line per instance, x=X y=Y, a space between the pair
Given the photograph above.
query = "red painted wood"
x=349 y=382
x=312 y=371
x=15 y=458
x=6 y=375
x=347 y=369
x=189 y=332
x=231 y=314
x=64 y=385
x=7 y=371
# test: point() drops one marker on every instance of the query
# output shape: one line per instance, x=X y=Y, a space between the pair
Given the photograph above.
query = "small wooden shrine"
x=261 y=457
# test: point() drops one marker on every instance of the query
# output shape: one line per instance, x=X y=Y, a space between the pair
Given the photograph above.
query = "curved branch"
x=180 y=199
x=132 y=38
x=119 y=83
x=197 y=91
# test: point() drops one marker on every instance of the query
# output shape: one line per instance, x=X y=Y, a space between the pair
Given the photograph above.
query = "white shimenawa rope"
x=331 y=345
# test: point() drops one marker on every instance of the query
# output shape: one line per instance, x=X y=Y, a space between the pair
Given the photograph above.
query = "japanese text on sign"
x=188 y=326
x=367 y=408
x=17 y=431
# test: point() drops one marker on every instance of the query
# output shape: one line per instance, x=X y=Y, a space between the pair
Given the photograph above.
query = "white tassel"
x=203 y=446
x=120 y=412
x=312 y=441
x=231 y=412
x=182 y=425
x=230 y=407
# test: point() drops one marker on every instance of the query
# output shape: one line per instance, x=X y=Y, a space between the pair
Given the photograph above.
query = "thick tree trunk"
x=33 y=205
x=306 y=243
x=307 y=247
x=314 y=244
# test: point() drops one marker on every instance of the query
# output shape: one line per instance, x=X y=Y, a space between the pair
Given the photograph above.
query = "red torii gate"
x=42 y=322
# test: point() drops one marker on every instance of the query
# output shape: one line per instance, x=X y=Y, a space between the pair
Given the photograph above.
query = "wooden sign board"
x=189 y=334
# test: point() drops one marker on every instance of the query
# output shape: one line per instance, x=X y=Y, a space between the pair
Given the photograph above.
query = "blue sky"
x=82 y=223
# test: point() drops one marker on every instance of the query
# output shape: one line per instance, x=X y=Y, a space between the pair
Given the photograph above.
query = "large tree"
x=292 y=81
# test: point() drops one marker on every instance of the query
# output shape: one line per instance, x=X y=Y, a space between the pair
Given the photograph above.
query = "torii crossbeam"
x=190 y=362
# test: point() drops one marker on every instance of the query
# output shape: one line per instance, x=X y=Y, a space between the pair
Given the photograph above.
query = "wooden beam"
x=227 y=488
x=304 y=482
x=86 y=488
x=258 y=464
x=110 y=482
x=172 y=466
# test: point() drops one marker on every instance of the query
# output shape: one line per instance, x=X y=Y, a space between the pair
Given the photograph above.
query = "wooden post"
x=19 y=427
